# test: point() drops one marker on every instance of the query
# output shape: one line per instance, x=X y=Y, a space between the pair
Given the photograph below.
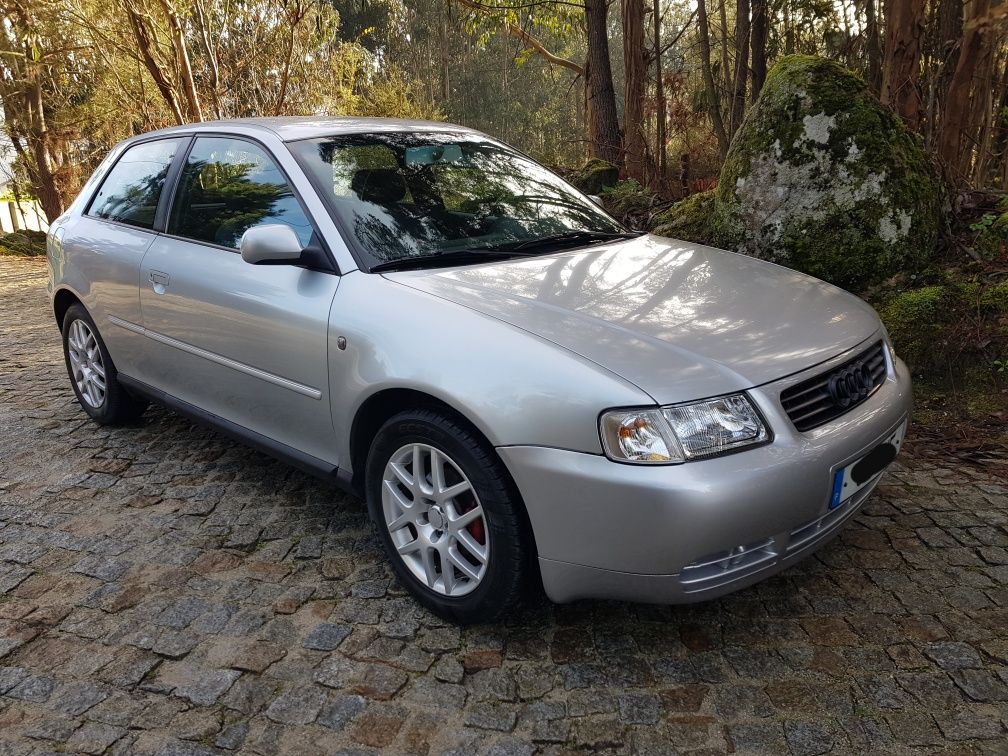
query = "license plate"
x=848 y=480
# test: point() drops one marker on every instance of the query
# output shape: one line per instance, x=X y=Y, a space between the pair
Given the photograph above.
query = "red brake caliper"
x=475 y=528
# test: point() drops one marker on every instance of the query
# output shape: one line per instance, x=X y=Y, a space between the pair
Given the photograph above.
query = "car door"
x=106 y=244
x=246 y=343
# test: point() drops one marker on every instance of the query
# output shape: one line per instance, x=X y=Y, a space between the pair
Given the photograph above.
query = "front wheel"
x=444 y=508
x=92 y=374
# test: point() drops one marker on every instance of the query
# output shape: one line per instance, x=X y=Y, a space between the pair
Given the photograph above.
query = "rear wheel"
x=92 y=373
x=443 y=506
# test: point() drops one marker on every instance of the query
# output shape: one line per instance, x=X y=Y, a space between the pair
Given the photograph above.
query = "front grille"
x=809 y=403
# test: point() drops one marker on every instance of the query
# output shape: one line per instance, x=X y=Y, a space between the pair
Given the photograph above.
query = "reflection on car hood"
x=681 y=321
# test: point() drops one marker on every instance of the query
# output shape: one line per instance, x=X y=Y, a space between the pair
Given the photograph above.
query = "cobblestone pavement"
x=165 y=590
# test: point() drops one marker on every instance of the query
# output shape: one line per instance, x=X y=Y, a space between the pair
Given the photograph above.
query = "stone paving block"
x=327 y=636
x=205 y=689
x=297 y=706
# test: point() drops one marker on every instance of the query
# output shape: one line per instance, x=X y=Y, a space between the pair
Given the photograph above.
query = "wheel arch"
x=386 y=403
x=63 y=300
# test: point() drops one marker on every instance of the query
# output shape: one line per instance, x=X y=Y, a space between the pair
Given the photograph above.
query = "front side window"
x=132 y=189
x=228 y=186
x=421 y=194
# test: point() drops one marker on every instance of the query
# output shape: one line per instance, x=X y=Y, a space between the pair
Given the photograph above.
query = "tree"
x=635 y=84
x=954 y=147
x=44 y=89
x=604 y=139
x=710 y=92
x=600 y=95
x=661 y=149
x=901 y=73
x=741 y=63
x=759 y=44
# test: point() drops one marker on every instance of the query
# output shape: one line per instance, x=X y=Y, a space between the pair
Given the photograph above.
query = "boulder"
x=823 y=178
x=594 y=176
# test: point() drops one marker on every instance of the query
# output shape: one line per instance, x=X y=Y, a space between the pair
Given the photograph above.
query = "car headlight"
x=642 y=436
x=682 y=432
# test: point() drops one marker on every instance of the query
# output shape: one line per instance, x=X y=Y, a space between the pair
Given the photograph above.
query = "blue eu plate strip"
x=837 y=488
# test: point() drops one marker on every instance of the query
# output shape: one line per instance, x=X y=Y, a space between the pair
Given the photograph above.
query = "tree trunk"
x=952 y=140
x=873 y=46
x=39 y=137
x=635 y=79
x=901 y=74
x=603 y=124
x=741 y=63
x=1000 y=136
x=726 y=68
x=661 y=149
x=181 y=50
x=948 y=30
x=713 y=103
x=972 y=160
x=163 y=78
x=759 y=36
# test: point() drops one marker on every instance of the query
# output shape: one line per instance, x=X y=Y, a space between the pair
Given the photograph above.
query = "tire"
x=85 y=354
x=465 y=458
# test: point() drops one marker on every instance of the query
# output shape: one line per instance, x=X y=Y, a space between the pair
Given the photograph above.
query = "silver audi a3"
x=524 y=391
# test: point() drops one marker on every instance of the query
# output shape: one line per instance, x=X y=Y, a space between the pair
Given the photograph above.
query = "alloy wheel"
x=86 y=363
x=435 y=519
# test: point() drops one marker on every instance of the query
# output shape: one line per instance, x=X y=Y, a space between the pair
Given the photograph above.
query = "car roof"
x=293 y=128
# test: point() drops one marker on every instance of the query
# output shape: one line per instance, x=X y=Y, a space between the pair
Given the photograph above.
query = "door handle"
x=159 y=281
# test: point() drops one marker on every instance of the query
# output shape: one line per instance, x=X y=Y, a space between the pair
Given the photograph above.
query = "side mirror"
x=596 y=199
x=273 y=243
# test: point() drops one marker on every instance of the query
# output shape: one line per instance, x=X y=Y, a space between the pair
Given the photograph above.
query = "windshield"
x=410 y=194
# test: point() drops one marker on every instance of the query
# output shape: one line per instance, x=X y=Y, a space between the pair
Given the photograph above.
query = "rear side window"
x=131 y=190
x=229 y=186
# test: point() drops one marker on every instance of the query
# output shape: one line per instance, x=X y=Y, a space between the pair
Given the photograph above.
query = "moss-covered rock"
x=916 y=319
x=23 y=243
x=594 y=176
x=823 y=178
x=949 y=326
x=994 y=299
x=991 y=241
x=628 y=197
x=690 y=219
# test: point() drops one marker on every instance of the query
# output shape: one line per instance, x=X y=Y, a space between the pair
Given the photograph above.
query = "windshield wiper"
x=501 y=251
x=564 y=237
x=458 y=256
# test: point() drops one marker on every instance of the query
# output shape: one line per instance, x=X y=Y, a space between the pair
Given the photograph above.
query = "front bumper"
x=690 y=532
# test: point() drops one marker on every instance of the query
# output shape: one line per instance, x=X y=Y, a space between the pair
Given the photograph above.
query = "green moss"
x=949 y=329
x=689 y=220
x=594 y=176
x=822 y=177
x=995 y=298
x=23 y=243
x=914 y=320
x=991 y=241
x=627 y=197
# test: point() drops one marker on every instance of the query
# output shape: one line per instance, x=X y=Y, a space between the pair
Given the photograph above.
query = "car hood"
x=680 y=321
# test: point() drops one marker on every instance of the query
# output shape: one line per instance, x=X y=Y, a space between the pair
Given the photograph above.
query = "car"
x=525 y=392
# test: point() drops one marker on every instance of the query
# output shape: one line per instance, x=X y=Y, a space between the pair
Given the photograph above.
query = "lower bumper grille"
x=742 y=562
x=727 y=566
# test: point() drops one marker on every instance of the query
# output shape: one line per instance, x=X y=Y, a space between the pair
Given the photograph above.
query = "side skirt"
x=307 y=463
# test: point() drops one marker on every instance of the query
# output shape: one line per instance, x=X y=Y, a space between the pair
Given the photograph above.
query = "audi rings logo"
x=850 y=385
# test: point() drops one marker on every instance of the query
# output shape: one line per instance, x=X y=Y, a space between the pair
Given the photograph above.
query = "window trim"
x=185 y=141
x=272 y=156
